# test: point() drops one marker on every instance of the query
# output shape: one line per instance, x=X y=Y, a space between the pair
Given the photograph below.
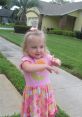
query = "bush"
x=49 y=30
x=68 y=33
x=78 y=34
x=60 y=32
x=21 y=28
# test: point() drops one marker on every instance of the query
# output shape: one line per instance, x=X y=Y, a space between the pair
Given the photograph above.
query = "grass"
x=11 y=36
x=61 y=113
x=68 y=49
x=10 y=25
x=15 y=76
x=12 y=73
x=15 y=115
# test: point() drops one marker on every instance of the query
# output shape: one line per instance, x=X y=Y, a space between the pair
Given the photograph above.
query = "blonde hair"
x=29 y=35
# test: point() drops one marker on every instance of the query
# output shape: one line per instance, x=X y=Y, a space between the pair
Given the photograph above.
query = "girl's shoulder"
x=26 y=58
x=48 y=56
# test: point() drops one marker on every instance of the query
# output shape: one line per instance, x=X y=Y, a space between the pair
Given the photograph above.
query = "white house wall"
x=78 y=22
x=50 y=22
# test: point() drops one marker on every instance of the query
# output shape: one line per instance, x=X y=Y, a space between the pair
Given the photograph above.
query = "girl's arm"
x=28 y=67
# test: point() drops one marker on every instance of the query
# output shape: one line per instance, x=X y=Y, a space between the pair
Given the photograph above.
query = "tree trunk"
x=40 y=21
x=23 y=18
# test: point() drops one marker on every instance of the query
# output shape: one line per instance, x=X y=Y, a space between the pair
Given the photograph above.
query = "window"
x=32 y=21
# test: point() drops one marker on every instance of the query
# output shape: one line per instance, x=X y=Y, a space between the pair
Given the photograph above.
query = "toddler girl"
x=38 y=96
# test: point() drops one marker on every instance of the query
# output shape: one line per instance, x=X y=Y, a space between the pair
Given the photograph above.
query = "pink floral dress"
x=38 y=94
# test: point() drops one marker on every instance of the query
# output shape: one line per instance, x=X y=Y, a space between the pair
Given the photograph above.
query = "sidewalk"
x=10 y=99
x=4 y=28
x=68 y=88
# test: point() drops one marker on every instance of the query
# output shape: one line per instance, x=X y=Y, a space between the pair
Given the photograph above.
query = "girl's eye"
x=34 y=47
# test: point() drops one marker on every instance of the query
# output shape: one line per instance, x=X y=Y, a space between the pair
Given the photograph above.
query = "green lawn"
x=10 y=25
x=11 y=36
x=12 y=73
x=68 y=49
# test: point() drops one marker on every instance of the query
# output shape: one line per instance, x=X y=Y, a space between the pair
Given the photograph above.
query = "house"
x=5 y=15
x=66 y=16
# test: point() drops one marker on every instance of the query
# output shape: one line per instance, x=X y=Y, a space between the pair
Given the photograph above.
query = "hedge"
x=21 y=28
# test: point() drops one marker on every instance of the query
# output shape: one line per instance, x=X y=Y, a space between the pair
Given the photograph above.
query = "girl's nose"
x=38 y=49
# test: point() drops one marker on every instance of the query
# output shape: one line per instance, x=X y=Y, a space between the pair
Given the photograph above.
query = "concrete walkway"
x=4 y=28
x=10 y=99
x=68 y=88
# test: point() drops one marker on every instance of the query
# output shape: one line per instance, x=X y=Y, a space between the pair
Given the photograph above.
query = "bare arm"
x=26 y=66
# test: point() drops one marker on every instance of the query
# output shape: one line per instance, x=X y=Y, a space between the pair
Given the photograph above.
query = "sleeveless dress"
x=38 y=94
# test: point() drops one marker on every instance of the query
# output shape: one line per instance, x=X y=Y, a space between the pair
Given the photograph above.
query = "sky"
x=69 y=0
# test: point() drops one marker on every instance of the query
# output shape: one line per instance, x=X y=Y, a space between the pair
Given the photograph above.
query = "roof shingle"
x=54 y=9
x=5 y=12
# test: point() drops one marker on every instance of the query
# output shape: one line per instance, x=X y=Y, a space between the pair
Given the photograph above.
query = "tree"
x=60 y=1
x=24 y=5
x=14 y=15
x=5 y=3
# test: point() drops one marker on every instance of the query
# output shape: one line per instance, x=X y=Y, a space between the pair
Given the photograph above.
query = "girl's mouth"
x=38 y=54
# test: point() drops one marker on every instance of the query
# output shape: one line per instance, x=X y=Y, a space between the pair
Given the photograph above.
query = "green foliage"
x=25 y=3
x=9 y=25
x=78 y=34
x=23 y=6
x=61 y=32
x=15 y=115
x=12 y=73
x=21 y=28
x=11 y=36
x=68 y=49
x=61 y=1
x=61 y=113
x=3 y=2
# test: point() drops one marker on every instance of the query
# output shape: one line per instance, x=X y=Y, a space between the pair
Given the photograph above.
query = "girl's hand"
x=51 y=69
x=55 y=62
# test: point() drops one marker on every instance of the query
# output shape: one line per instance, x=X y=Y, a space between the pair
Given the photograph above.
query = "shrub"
x=60 y=32
x=21 y=28
x=78 y=34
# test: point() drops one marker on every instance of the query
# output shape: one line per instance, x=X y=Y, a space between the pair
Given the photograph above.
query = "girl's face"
x=36 y=47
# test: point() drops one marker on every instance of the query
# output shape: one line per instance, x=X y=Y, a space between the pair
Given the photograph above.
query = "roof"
x=5 y=12
x=55 y=9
